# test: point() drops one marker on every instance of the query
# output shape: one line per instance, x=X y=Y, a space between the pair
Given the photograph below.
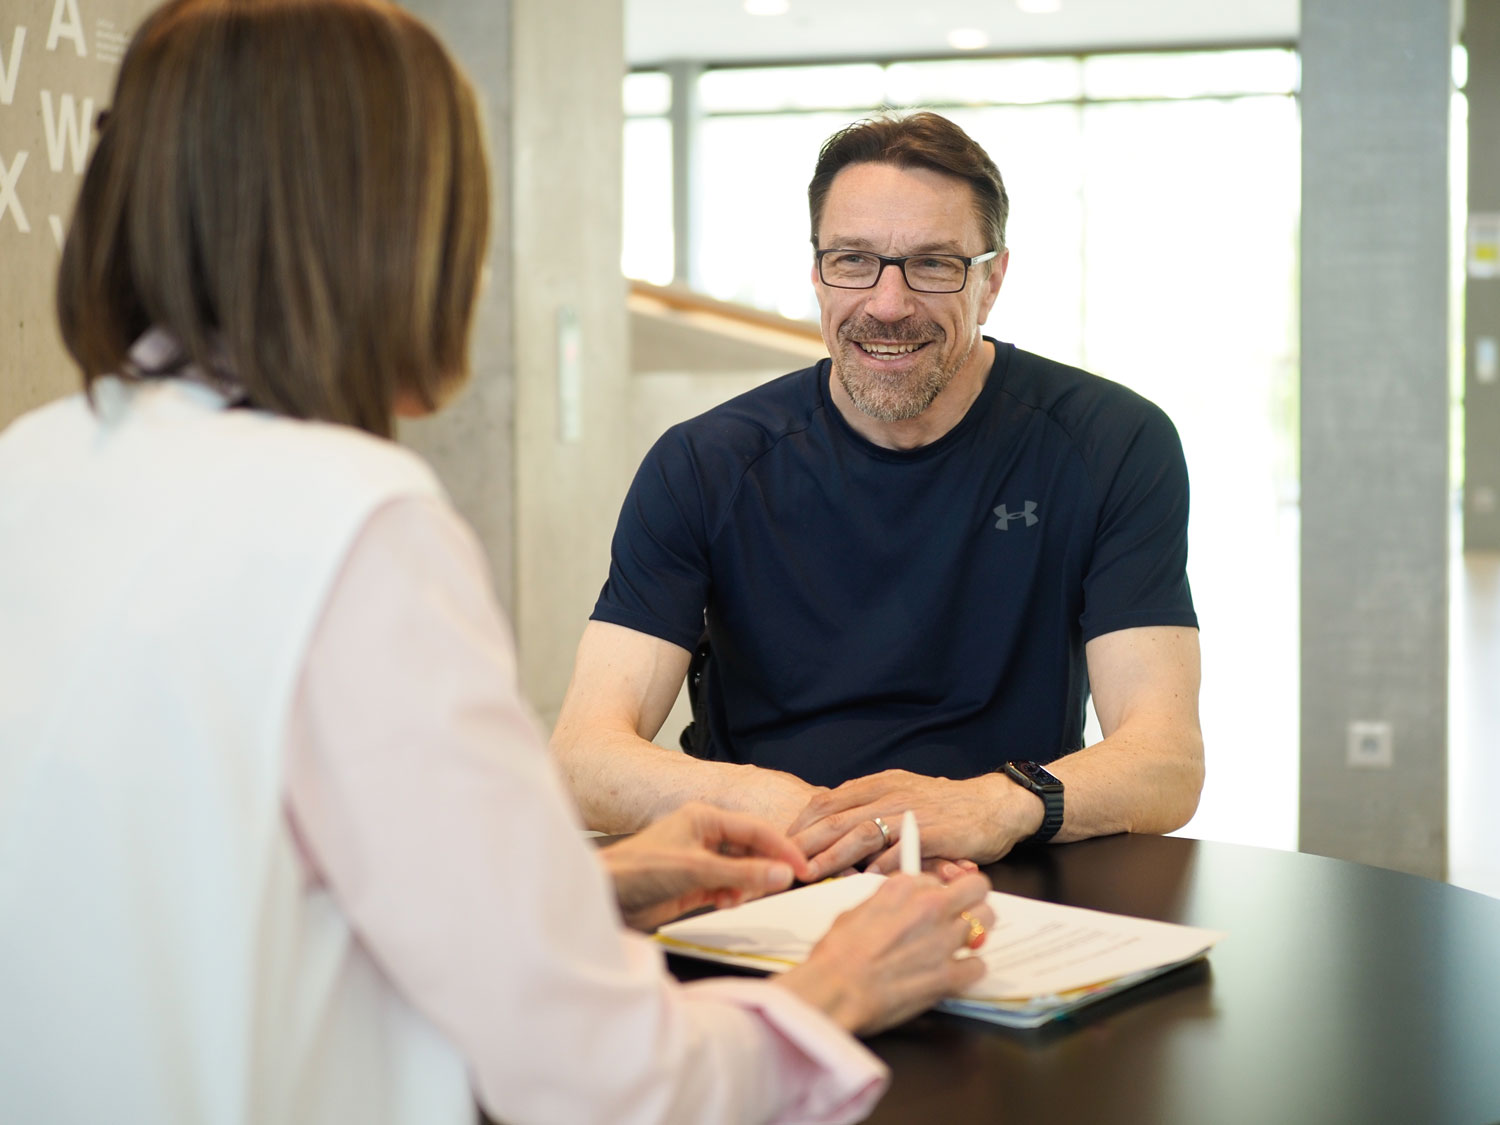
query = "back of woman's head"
x=294 y=189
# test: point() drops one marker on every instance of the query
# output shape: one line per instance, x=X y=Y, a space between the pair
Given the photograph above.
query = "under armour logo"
x=1003 y=523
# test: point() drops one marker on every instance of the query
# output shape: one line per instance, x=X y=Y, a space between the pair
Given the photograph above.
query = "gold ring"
x=976 y=930
x=885 y=833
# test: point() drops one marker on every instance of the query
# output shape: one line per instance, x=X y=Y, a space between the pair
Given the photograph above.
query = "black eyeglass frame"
x=968 y=263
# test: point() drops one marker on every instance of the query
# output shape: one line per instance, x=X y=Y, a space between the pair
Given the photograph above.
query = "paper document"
x=1042 y=959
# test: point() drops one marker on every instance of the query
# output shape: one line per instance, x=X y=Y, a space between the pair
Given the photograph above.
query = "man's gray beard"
x=892 y=399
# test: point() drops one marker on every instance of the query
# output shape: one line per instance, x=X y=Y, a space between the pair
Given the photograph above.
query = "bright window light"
x=791 y=88
x=968 y=39
x=647 y=93
x=984 y=81
x=647 y=249
x=1190 y=74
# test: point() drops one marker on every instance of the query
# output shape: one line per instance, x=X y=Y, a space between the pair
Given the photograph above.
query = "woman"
x=278 y=839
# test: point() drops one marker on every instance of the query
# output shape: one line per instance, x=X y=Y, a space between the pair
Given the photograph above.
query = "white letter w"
x=67 y=126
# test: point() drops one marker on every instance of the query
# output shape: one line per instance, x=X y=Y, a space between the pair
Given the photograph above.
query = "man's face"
x=894 y=350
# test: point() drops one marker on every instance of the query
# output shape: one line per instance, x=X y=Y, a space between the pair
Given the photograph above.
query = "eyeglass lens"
x=930 y=273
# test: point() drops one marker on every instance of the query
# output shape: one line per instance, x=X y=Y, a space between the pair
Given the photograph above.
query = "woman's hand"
x=895 y=954
x=696 y=856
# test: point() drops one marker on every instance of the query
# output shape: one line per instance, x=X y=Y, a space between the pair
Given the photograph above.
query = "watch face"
x=1036 y=776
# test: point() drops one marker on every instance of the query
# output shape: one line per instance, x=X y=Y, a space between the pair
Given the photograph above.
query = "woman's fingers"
x=739 y=834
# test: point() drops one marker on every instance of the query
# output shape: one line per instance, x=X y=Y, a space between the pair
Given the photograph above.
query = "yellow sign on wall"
x=1484 y=244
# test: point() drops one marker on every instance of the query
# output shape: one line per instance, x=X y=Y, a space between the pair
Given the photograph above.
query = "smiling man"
x=911 y=563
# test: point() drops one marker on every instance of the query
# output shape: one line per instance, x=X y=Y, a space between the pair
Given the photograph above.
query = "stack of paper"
x=1042 y=959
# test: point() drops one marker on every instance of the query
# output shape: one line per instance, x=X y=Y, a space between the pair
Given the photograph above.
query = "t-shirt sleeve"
x=659 y=567
x=1137 y=572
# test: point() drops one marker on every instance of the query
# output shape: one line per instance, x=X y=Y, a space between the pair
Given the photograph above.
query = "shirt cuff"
x=830 y=1078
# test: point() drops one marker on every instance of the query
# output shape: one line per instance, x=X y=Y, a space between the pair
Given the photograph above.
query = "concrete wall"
x=567 y=134
x=712 y=347
x=470 y=442
x=1375 y=104
x=58 y=60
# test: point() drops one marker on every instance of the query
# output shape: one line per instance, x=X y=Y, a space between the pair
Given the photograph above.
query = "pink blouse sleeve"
x=423 y=796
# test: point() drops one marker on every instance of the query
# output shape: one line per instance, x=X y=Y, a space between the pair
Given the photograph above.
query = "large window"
x=648 y=246
x=759 y=129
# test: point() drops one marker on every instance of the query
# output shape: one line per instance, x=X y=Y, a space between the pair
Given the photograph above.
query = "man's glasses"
x=924 y=273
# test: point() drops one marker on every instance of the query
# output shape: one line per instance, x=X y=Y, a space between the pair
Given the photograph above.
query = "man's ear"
x=992 y=285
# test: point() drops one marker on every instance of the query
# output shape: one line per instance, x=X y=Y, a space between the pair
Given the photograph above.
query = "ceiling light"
x=1039 y=7
x=767 y=7
x=967 y=39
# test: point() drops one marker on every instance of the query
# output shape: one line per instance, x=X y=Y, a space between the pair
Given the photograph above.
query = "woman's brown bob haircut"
x=297 y=191
x=919 y=140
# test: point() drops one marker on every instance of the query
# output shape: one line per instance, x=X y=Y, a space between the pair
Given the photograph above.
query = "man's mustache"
x=906 y=331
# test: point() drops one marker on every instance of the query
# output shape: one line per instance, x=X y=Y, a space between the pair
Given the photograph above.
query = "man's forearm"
x=623 y=783
x=1147 y=773
x=1143 y=778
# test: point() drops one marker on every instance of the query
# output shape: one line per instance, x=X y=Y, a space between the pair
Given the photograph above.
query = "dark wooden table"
x=1343 y=993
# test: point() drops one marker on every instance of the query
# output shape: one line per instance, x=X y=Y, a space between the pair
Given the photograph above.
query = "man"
x=916 y=559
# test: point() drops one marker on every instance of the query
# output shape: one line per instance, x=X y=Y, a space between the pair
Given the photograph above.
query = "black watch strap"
x=1030 y=775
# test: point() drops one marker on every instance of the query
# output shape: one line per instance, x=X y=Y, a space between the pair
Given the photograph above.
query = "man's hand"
x=773 y=795
x=699 y=855
x=980 y=820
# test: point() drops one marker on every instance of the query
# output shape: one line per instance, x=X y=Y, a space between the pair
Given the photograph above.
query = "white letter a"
x=71 y=29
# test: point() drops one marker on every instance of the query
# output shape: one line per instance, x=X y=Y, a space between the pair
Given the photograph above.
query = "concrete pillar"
x=470 y=443
x=1482 y=300
x=1376 y=81
x=570 y=348
x=533 y=453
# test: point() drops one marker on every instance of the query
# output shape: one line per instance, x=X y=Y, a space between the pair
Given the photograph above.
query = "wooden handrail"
x=682 y=299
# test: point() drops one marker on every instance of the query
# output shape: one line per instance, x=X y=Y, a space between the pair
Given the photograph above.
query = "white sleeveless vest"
x=163 y=564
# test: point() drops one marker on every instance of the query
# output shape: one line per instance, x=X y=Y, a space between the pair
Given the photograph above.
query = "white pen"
x=911 y=845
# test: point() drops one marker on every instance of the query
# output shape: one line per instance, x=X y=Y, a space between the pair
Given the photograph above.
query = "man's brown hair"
x=297 y=191
x=918 y=140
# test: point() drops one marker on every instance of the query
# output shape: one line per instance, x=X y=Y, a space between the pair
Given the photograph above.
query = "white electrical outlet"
x=1370 y=746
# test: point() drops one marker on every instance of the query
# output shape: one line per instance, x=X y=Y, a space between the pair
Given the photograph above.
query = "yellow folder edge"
x=718 y=953
x=715 y=951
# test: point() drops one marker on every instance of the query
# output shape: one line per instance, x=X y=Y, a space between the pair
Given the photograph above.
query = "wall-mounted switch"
x=569 y=376
x=1486 y=359
x=1370 y=746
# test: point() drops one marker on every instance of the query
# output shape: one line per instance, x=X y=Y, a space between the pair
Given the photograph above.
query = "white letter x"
x=9 y=200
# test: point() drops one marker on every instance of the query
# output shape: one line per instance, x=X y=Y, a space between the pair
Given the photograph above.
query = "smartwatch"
x=1029 y=775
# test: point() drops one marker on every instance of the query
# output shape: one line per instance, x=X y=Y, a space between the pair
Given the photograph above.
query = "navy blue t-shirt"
x=927 y=609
